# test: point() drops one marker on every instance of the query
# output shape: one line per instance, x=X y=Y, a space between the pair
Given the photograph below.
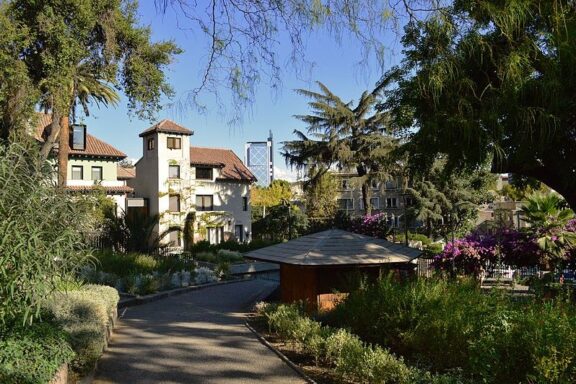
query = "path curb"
x=283 y=357
x=161 y=295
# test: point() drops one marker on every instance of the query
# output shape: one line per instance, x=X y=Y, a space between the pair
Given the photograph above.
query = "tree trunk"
x=361 y=171
x=366 y=199
x=50 y=141
x=63 y=150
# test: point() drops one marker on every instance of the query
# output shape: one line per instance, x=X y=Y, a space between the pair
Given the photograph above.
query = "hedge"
x=85 y=315
x=33 y=354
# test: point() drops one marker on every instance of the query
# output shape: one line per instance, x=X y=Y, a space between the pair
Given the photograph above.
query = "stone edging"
x=178 y=291
x=283 y=357
x=61 y=375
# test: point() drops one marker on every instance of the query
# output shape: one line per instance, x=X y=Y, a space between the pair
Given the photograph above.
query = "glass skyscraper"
x=259 y=158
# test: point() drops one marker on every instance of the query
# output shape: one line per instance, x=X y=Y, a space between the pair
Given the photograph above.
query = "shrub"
x=454 y=326
x=222 y=270
x=125 y=264
x=282 y=320
x=85 y=315
x=229 y=256
x=41 y=233
x=202 y=246
x=208 y=257
x=375 y=225
x=169 y=264
x=148 y=284
x=346 y=353
x=108 y=295
x=33 y=354
x=145 y=263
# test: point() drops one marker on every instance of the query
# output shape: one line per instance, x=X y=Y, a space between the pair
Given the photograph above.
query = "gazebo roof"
x=335 y=247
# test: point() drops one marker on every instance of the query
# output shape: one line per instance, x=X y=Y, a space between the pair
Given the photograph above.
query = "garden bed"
x=304 y=361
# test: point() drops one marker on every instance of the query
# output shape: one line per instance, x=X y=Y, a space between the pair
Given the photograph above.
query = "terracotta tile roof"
x=167 y=126
x=111 y=190
x=232 y=168
x=125 y=172
x=94 y=146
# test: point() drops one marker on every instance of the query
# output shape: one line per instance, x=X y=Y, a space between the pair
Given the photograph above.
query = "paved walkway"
x=197 y=337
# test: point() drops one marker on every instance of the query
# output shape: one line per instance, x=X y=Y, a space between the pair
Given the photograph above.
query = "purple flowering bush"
x=473 y=253
x=375 y=225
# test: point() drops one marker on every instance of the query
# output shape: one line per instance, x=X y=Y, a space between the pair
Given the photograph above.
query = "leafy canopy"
x=490 y=80
x=60 y=50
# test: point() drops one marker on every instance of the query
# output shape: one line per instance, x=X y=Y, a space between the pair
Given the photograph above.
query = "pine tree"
x=343 y=135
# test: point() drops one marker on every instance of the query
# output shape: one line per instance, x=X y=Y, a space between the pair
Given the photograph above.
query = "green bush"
x=131 y=284
x=32 y=354
x=229 y=256
x=202 y=246
x=123 y=265
x=230 y=245
x=148 y=284
x=85 y=315
x=208 y=257
x=351 y=358
x=107 y=294
x=41 y=233
x=455 y=326
x=222 y=269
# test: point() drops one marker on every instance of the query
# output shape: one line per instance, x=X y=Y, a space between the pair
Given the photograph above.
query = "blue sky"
x=334 y=64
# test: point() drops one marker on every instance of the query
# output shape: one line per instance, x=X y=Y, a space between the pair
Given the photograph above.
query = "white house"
x=207 y=189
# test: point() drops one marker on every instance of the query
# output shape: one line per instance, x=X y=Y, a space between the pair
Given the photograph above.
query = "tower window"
x=174 y=143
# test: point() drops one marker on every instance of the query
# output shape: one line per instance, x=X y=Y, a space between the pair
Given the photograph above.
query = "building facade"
x=206 y=190
x=92 y=163
x=387 y=197
x=259 y=158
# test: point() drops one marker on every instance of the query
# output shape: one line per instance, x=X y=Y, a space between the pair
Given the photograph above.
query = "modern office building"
x=259 y=158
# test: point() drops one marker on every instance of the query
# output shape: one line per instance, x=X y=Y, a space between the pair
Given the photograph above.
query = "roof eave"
x=383 y=263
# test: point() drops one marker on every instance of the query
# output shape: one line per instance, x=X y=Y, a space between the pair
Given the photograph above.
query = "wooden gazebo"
x=312 y=267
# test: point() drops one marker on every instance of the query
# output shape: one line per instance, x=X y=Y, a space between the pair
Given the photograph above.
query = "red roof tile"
x=111 y=190
x=232 y=168
x=94 y=146
x=167 y=126
x=125 y=172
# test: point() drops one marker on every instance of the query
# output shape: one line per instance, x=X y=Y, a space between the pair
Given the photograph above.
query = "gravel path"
x=198 y=337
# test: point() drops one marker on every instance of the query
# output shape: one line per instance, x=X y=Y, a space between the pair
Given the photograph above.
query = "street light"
x=286 y=203
x=405 y=219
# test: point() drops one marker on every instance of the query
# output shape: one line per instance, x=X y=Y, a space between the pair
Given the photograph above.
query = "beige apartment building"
x=386 y=197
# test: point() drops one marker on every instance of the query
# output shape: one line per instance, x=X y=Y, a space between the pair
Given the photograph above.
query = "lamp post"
x=286 y=203
x=405 y=220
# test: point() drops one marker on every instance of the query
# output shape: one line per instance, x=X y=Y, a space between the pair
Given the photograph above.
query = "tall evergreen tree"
x=320 y=196
x=343 y=135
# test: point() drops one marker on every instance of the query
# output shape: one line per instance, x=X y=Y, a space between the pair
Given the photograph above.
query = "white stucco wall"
x=227 y=197
x=152 y=182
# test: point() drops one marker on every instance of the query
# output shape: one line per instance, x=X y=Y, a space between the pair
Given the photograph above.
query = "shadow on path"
x=198 y=337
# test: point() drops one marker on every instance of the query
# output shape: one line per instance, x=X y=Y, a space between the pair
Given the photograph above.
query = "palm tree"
x=84 y=88
x=548 y=216
x=343 y=135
